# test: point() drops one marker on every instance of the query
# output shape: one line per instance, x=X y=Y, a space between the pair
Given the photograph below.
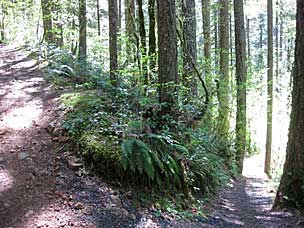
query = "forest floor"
x=39 y=189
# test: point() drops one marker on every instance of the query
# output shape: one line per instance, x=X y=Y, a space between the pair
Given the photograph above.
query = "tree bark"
x=241 y=77
x=119 y=25
x=277 y=41
x=224 y=82
x=261 y=55
x=216 y=39
x=48 y=35
x=207 y=37
x=167 y=61
x=231 y=39
x=2 y=19
x=189 y=46
x=82 y=30
x=152 y=36
x=58 y=24
x=98 y=17
x=119 y=15
x=143 y=46
x=267 y=167
x=248 y=39
x=130 y=28
x=290 y=190
x=113 y=26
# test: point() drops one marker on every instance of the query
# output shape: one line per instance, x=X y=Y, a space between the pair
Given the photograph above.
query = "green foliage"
x=112 y=135
x=101 y=152
x=137 y=156
x=159 y=163
x=165 y=158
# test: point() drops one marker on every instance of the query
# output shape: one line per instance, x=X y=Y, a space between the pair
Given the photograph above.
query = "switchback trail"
x=38 y=189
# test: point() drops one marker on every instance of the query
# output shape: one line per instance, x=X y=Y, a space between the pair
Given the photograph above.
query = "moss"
x=103 y=152
x=101 y=147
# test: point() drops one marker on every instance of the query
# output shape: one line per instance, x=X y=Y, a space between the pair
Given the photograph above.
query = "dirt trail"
x=27 y=164
x=248 y=201
x=37 y=189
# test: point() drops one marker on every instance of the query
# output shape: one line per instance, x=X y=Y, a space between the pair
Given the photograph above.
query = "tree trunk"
x=261 y=54
x=113 y=26
x=48 y=35
x=248 y=39
x=152 y=36
x=143 y=46
x=207 y=37
x=267 y=167
x=82 y=30
x=98 y=18
x=119 y=20
x=241 y=77
x=277 y=41
x=167 y=61
x=224 y=82
x=58 y=24
x=291 y=191
x=189 y=46
x=119 y=15
x=216 y=39
x=231 y=40
x=2 y=27
x=281 y=29
x=130 y=28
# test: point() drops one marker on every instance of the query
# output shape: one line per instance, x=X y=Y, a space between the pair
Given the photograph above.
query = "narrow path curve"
x=38 y=189
x=247 y=202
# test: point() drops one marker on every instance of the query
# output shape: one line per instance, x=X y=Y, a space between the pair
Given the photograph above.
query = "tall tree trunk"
x=289 y=52
x=291 y=185
x=224 y=82
x=113 y=25
x=119 y=15
x=207 y=37
x=48 y=35
x=58 y=24
x=267 y=167
x=261 y=55
x=248 y=39
x=241 y=77
x=277 y=41
x=189 y=46
x=2 y=18
x=119 y=25
x=143 y=46
x=152 y=36
x=130 y=28
x=167 y=61
x=281 y=28
x=98 y=17
x=216 y=32
x=231 y=39
x=82 y=29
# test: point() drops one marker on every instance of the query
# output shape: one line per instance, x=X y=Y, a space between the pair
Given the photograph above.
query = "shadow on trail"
x=247 y=203
x=26 y=170
x=37 y=188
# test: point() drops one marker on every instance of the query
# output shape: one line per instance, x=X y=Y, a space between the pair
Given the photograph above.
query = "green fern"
x=136 y=155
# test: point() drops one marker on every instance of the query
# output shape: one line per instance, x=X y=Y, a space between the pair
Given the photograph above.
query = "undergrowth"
x=120 y=135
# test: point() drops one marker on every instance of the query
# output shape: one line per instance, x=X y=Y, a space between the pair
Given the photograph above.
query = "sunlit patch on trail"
x=254 y=166
x=49 y=216
x=6 y=180
x=2 y=71
x=25 y=64
x=146 y=222
x=22 y=117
